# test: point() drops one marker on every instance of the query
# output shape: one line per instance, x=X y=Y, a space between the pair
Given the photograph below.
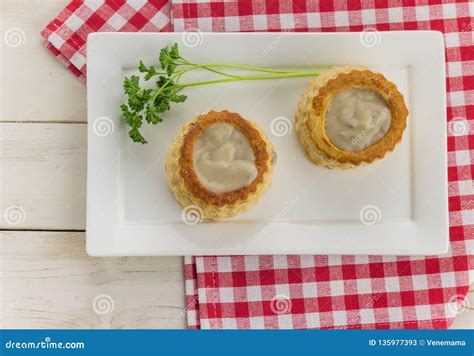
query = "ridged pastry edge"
x=309 y=120
x=206 y=201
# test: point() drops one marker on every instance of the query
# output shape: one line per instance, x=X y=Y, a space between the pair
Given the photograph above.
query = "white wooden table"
x=47 y=280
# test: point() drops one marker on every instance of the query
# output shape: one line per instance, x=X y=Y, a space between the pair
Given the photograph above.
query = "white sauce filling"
x=356 y=119
x=223 y=158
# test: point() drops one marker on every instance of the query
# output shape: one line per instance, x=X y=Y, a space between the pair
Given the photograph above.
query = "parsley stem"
x=250 y=77
x=238 y=66
x=257 y=69
x=178 y=75
x=218 y=72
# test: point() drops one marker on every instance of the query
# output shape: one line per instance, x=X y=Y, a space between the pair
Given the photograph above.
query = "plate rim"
x=441 y=244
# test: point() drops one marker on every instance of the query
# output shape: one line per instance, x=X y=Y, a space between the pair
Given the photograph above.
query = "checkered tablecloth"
x=318 y=291
x=66 y=35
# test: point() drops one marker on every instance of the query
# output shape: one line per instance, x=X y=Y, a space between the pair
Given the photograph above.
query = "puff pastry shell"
x=187 y=188
x=315 y=101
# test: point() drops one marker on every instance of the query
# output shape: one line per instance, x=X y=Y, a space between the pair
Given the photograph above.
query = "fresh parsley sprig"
x=149 y=104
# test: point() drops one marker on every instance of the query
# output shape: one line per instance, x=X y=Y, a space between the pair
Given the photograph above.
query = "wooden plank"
x=35 y=85
x=43 y=176
x=465 y=319
x=48 y=281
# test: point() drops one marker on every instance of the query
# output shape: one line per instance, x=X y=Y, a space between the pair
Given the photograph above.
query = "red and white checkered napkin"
x=347 y=291
x=317 y=291
x=66 y=35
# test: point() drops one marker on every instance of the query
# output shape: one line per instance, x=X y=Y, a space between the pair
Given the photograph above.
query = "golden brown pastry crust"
x=185 y=184
x=315 y=101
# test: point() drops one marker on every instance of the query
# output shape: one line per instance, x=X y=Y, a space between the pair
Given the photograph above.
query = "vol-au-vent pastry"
x=350 y=116
x=220 y=163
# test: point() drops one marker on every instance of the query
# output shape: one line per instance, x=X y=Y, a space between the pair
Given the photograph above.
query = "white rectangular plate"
x=396 y=206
